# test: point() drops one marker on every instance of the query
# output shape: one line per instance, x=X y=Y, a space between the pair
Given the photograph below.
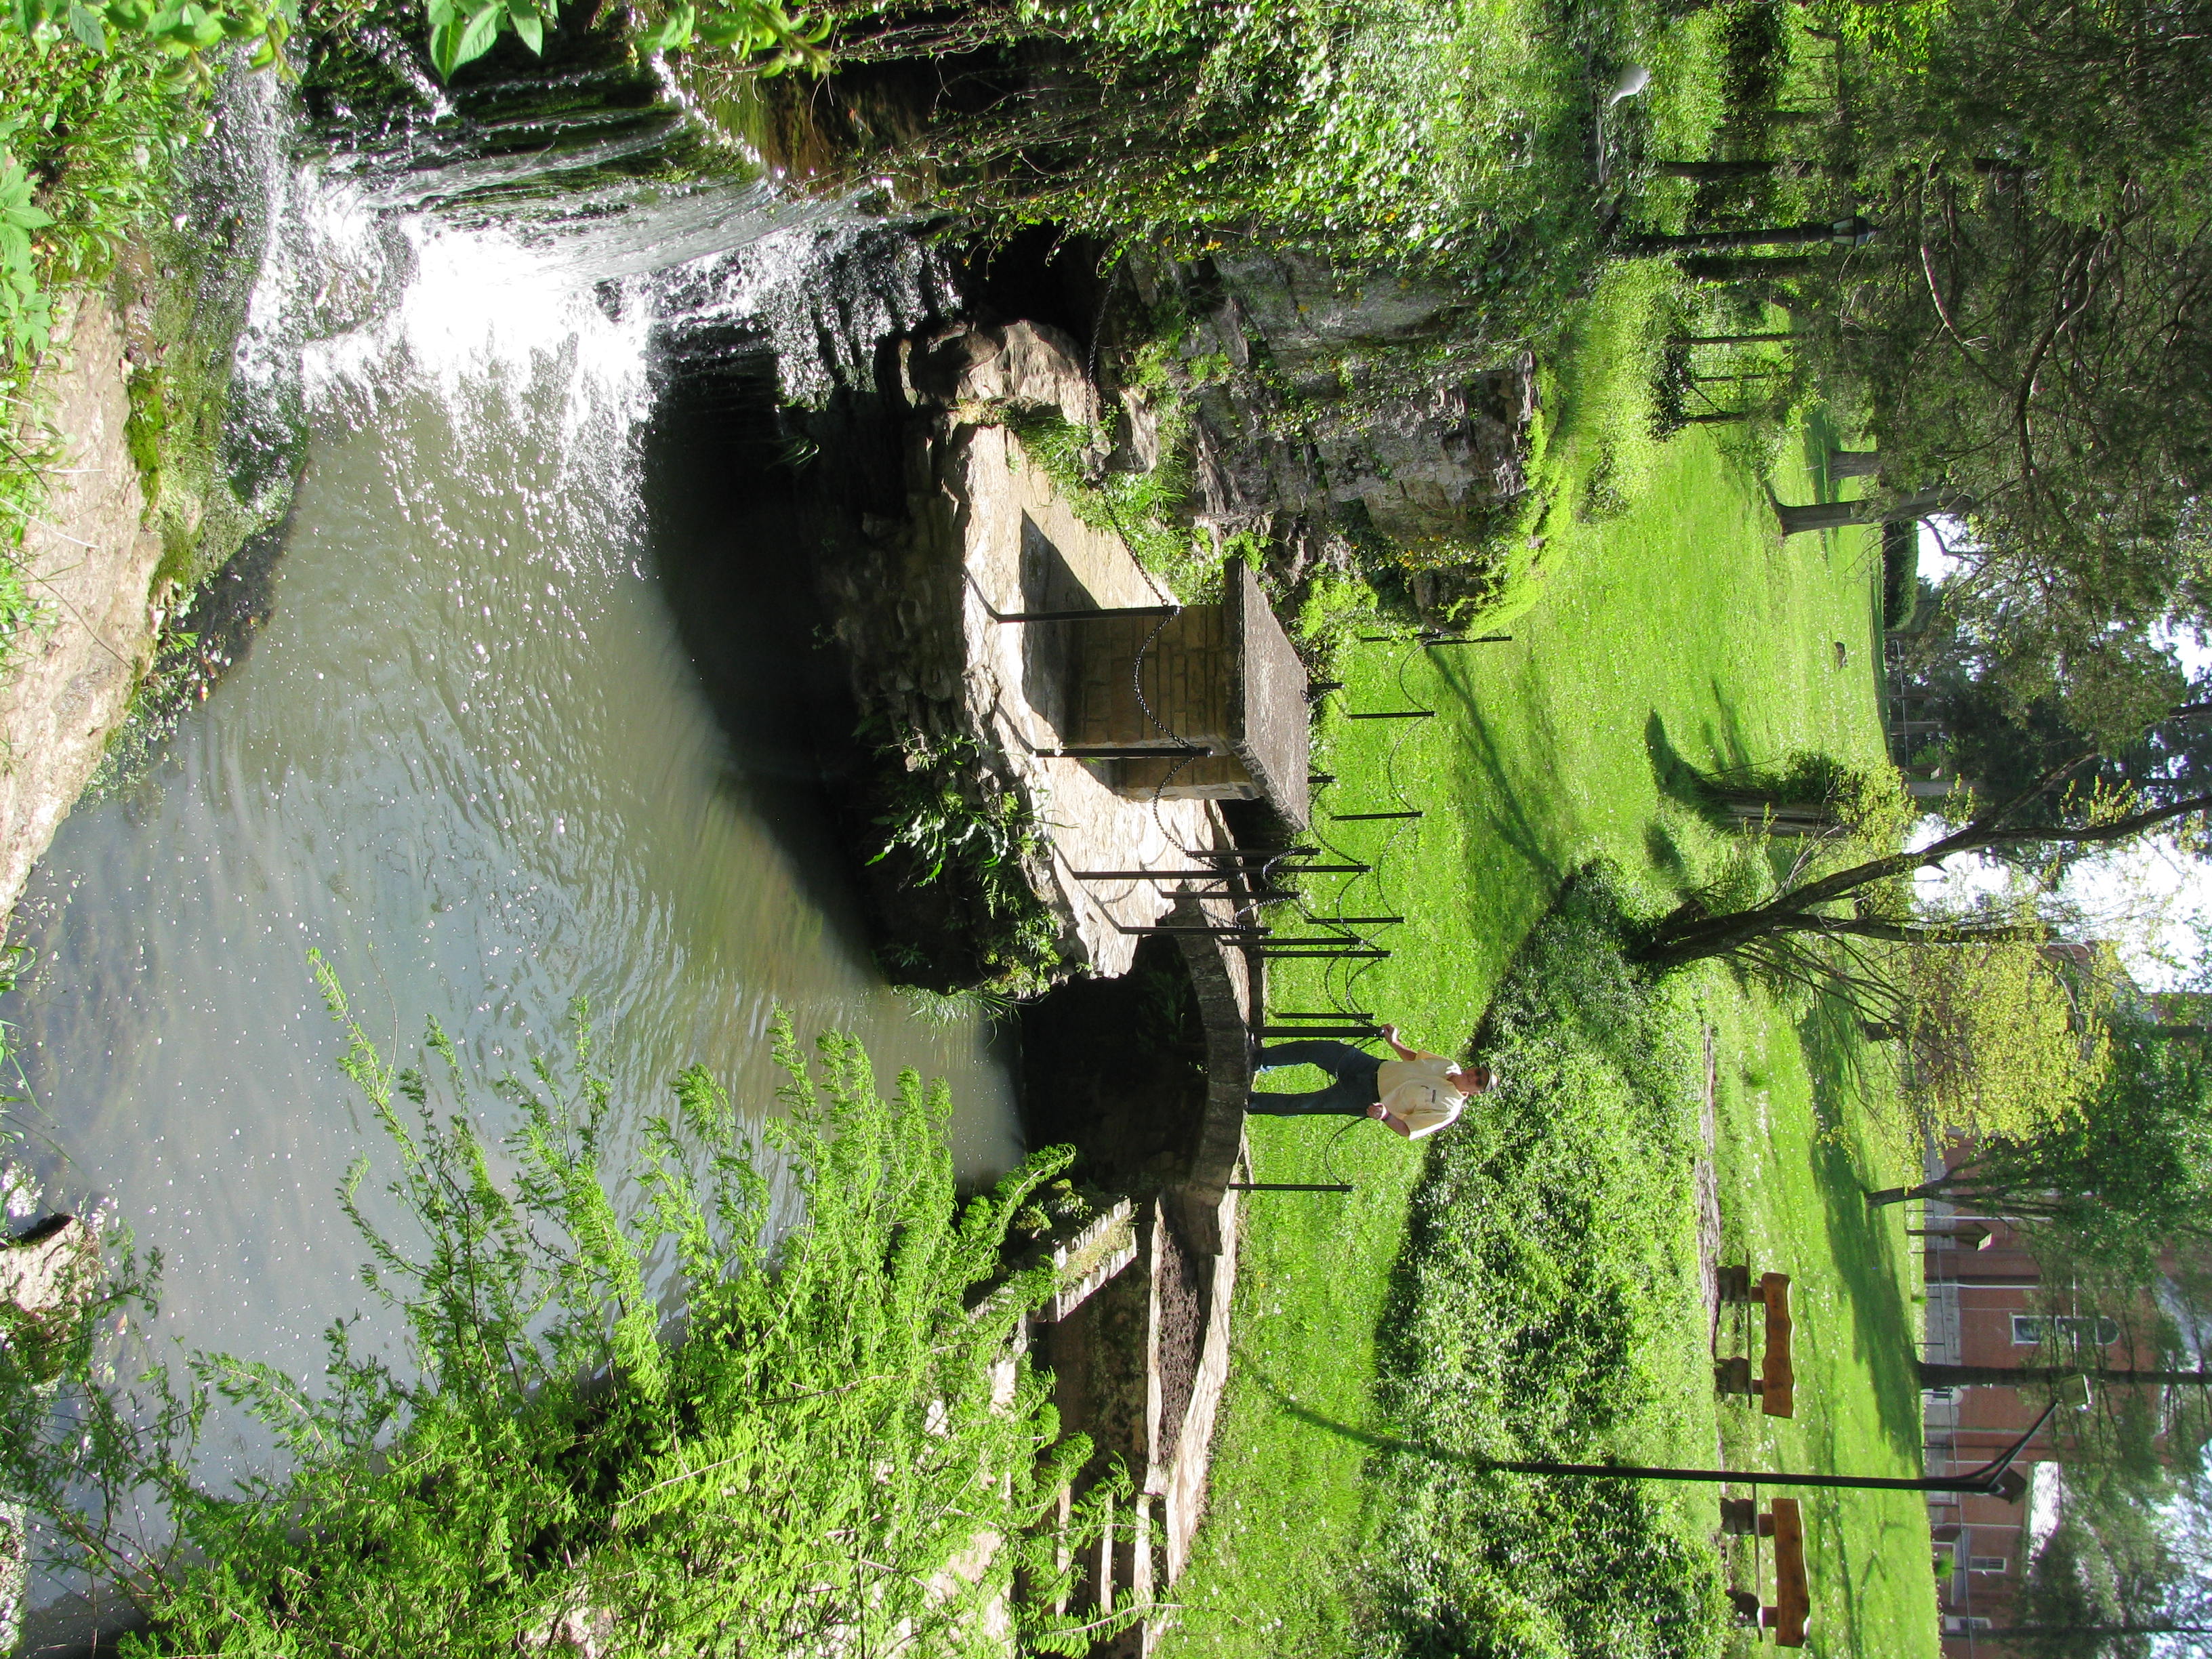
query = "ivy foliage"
x=26 y=312
x=182 y=30
x=1543 y=1308
x=759 y=32
x=958 y=840
x=831 y=1445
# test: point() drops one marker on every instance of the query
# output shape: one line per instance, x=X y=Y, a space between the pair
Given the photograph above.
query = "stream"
x=535 y=715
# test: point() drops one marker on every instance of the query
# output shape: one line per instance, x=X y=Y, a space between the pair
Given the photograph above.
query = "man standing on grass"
x=1415 y=1095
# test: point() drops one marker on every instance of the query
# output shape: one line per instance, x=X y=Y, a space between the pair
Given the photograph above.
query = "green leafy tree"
x=835 y=1445
x=2030 y=329
x=2002 y=721
x=2106 y=1584
x=2113 y=1182
x=2001 y=1035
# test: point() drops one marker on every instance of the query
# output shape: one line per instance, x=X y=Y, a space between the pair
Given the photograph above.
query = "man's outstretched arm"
x=1389 y=1035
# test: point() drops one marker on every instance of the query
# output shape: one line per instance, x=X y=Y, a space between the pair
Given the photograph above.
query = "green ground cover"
x=805 y=1461
x=1670 y=632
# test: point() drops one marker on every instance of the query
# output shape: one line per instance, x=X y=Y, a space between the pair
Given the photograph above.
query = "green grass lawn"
x=1667 y=629
x=1794 y=1141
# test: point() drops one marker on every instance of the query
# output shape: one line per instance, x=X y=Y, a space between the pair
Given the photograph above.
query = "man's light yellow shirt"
x=1417 y=1094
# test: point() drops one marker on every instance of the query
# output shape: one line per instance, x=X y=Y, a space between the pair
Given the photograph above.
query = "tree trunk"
x=1826 y=515
x=1731 y=339
x=1692 y=935
x=1853 y=463
x=1750 y=808
x=1936 y=1376
x=1731 y=171
x=1748 y=267
x=1903 y=1195
x=1809 y=234
x=1835 y=515
x=1714 y=172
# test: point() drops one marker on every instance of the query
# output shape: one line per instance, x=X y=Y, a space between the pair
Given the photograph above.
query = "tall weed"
x=829 y=1448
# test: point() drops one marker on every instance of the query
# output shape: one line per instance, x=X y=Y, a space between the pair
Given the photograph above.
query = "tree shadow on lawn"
x=1897 y=1547
x=1490 y=788
x=1374 y=1440
x=1865 y=1254
x=1687 y=786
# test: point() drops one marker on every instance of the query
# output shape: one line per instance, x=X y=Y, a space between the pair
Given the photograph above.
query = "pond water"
x=529 y=719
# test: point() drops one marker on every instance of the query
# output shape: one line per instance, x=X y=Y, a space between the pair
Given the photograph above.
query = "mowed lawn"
x=1678 y=632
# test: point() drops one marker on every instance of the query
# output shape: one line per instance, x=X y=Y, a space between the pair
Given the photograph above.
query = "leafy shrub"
x=836 y=1429
x=952 y=828
x=1548 y=1279
x=87 y=142
x=177 y=30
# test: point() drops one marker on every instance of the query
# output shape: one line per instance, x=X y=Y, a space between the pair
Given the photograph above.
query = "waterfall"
x=360 y=266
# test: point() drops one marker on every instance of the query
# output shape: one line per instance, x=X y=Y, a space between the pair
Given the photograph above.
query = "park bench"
x=1776 y=1385
x=1788 y=1615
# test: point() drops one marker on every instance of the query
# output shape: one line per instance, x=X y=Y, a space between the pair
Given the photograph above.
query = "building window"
x=1955 y=1624
x=2074 y=1330
x=1985 y=1563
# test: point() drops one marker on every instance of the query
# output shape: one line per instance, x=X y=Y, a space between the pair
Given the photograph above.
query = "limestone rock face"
x=1338 y=407
x=90 y=565
x=1012 y=366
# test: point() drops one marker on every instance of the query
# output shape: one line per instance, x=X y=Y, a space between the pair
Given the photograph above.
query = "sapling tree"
x=2002 y=1034
x=2115 y=1181
x=1841 y=888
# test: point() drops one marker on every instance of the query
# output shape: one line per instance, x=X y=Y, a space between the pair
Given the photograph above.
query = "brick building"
x=1988 y=1305
x=1985 y=1302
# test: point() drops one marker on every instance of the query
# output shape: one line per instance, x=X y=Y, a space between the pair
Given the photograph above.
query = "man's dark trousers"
x=1354 y=1069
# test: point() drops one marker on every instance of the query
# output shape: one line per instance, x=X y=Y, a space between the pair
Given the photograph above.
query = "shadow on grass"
x=1866 y=1256
x=1689 y=785
x=1490 y=788
x=1673 y=776
x=1373 y=1440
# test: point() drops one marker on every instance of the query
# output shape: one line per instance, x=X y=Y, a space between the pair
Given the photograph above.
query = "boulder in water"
x=41 y=1270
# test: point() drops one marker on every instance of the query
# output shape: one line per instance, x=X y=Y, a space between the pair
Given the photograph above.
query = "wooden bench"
x=1790 y=1613
x=1776 y=1385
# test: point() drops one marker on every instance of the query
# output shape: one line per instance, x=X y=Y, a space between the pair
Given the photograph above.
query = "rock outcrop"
x=1347 y=417
x=90 y=565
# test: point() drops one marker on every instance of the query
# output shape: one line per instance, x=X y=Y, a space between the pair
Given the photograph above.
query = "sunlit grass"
x=1677 y=631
